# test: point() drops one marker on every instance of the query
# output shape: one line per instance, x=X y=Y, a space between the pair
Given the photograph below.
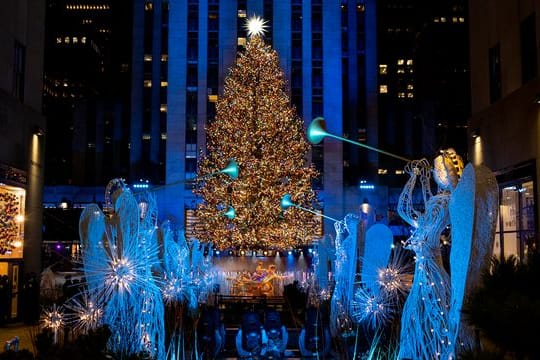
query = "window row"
x=70 y=40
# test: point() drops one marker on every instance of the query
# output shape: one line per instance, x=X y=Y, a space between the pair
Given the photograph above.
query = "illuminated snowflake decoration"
x=85 y=316
x=372 y=310
x=256 y=26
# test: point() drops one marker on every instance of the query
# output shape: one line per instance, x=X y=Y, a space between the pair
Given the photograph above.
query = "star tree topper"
x=255 y=25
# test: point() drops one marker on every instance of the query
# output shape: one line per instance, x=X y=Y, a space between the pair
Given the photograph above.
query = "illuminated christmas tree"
x=256 y=125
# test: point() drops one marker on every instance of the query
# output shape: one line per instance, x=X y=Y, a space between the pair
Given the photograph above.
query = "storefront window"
x=516 y=228
x=11 y=222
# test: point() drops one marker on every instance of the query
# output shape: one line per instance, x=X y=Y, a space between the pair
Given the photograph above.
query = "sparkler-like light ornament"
x=395 y=279
x=372 y=310
x=121 y=274
x=54 y=320
x=85 y=316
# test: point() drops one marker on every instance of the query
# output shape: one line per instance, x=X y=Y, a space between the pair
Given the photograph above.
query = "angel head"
x=447 y=169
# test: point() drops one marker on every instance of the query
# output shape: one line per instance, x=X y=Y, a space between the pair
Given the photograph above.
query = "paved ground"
x=24 y=332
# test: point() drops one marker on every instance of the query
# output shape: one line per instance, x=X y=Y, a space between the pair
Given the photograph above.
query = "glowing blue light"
x=289 y=252
x=231 y=169
x=364 y=186
x=316 y=131
x=286 y=202
x=230 y=213
x=141 y=186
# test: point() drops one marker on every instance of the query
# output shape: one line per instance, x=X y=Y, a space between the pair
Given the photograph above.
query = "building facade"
x=86 y=90
x=22 y=141
x=182 y=50
x=503 y=129
x=423 y=81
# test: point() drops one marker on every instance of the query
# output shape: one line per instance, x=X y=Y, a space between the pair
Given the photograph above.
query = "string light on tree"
x=256 y=125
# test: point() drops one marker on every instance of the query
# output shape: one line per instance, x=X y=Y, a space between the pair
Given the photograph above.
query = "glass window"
x=495 y=86
x=528 y=48
x=19 y=63
x=516 y=228
x=383 y=89
x=12 y=217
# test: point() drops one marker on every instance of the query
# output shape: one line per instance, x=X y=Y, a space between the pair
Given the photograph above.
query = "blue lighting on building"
x=142 y=184
x=364 y=185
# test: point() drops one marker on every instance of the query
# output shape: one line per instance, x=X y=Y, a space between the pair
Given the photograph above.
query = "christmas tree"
x=256 y=125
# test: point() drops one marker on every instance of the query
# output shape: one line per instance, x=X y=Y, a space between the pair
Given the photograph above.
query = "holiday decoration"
x=256 y=125
x=466 y=203
x=345 y=270
x=84 y=315
x=11 y=220
x=473 y=215
x=53 y=318
x=424 y=321
x=120 y=253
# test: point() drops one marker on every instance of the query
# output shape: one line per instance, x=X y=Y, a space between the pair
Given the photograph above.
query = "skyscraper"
x=86 y=90
x=22 y=142
x=182 y=51
x=424 y=98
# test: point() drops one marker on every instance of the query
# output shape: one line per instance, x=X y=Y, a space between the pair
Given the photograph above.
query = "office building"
x=503 y=129
x=22 y=141
x=182 y=51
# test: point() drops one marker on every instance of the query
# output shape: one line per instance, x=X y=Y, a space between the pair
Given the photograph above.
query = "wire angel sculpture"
x=424 y=321
x=467 y=201
x=120 y=252
x=344 y=270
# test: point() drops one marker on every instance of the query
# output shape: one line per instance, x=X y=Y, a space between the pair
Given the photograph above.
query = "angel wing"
x=473 y=216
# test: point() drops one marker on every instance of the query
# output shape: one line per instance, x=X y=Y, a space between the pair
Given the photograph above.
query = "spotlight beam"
x=317 y=131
